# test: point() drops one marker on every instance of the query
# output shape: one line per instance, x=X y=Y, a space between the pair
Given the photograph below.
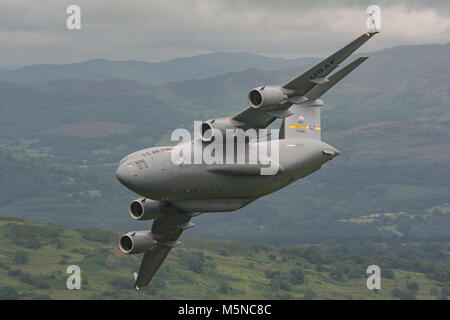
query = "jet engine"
x=267 y=97
x=146 y=209
x=208 y=129
x=136 y=242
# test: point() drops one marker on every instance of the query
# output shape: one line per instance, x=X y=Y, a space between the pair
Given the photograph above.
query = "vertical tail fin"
x=304 y=122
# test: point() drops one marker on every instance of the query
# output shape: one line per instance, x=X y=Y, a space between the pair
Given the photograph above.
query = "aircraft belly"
x=208 y=185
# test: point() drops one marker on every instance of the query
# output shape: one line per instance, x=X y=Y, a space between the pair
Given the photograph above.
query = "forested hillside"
x=61 y=140
x=33 y=266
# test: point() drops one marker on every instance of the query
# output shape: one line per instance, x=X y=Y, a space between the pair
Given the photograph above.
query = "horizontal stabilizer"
x=320 y=89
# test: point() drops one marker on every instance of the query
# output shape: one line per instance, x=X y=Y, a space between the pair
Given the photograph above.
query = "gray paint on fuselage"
x=161 y=179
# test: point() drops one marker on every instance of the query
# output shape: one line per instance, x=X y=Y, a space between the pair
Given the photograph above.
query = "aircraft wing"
x=166 y=230
x=253 y=118
x=318 y=90
x=306 y=87
x=317 y=74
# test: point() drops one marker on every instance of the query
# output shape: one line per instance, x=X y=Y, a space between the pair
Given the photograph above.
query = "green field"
x=34 y=258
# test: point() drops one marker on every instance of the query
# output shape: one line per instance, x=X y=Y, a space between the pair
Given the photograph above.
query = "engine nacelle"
x=136 y=242
x=208 y=129
x=267 y=97
x=146 y=209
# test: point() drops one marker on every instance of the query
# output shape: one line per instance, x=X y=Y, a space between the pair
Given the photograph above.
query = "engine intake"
x=206 y=131
x=146 y=209
x=136 y=242
x=266 y=97
x=210 y=128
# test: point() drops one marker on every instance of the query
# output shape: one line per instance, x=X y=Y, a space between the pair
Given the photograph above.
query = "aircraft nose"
x=128 y=177
x=123 y=175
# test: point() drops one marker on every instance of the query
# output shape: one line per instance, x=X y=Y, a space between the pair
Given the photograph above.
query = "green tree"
x=309 y=295
x=8 y=293
x=123 y=283
x=388 y=274
x=21 y=257
x=413 y=286
x=403 y=295
x=225 y=288
x=196 y=262
x=284 y=285
x=297 y=276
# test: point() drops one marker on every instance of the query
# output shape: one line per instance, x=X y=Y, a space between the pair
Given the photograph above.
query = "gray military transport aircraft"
x=172 y=194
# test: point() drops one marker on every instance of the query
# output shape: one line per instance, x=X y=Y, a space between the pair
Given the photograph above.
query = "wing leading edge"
x=165 y=230
x=317 y=74
x=307 y=87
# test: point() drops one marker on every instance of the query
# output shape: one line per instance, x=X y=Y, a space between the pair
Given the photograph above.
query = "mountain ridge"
x=184 y=68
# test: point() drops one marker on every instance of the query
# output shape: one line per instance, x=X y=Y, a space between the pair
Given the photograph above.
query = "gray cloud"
x=35 y=32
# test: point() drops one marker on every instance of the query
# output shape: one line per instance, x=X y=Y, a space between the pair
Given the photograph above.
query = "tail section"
x=304 y=121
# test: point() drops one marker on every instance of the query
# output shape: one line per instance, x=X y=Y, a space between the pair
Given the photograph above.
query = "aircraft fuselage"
x=152 y=174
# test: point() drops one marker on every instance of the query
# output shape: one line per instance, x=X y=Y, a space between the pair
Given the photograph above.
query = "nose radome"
x=128 y=177
x=122 y=174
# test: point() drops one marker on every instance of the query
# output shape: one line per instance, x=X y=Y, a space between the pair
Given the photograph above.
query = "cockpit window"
x=132 y=157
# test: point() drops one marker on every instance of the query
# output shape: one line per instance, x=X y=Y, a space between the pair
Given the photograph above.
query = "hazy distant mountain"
x=9 y=67
x=420 y=71
x=148 y=73
x=96 y=88
x=61 y=142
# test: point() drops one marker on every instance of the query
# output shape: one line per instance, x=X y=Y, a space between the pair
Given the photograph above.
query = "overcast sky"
x=154 y=30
